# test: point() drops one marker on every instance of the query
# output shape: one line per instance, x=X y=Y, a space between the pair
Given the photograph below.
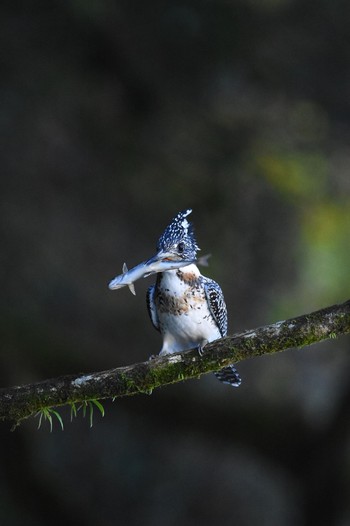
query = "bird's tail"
x=229 y=375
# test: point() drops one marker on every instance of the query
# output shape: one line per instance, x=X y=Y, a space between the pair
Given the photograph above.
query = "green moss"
x=84 y=392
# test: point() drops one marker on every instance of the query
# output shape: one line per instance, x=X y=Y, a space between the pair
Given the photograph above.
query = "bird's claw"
x=201 y=346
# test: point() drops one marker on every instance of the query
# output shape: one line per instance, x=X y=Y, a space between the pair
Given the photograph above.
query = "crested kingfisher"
x=186 y=307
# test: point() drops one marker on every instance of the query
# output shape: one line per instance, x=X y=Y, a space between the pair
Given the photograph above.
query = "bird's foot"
x=201 y=346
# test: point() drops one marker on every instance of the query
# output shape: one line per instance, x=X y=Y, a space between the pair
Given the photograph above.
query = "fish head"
x=176 y=248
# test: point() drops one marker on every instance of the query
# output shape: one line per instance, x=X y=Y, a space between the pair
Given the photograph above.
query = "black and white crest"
x=179 y=237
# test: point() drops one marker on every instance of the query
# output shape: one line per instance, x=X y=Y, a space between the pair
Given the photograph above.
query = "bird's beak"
x=159 y=263
x=166 y=261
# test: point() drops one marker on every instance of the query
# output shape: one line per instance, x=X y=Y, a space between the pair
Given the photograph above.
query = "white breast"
x=184 y=317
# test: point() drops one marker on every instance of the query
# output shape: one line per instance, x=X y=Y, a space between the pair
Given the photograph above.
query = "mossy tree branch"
x=17 y=403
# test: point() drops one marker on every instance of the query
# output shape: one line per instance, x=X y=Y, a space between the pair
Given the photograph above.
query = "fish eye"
x=181 y=247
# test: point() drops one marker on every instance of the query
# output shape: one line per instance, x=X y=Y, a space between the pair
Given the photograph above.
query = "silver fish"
x=159 y=263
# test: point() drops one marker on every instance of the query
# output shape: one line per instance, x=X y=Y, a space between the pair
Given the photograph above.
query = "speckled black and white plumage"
x=187 y=308
x=217 y=307
x=216 y=304
x=179 y=237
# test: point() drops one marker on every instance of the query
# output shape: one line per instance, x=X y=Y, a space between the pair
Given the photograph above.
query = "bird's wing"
x=151 y=307
x=217 y=307
x=216 y=304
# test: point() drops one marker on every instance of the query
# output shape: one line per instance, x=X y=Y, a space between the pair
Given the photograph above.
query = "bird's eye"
x=181 y=247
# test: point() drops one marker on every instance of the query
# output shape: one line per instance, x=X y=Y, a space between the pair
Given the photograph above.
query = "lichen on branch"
x=18 y=403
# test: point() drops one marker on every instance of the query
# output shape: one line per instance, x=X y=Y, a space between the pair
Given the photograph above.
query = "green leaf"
x=40 y=415
x=73 y=411
x=84 y=406
x=46 y=413
x=99 y=406
x=59 y=418
x=91 y=407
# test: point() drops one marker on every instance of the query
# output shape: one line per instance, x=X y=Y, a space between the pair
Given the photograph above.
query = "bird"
x=187 y=308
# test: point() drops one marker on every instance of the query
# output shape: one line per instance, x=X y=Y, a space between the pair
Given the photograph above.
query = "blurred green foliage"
x=114 y=116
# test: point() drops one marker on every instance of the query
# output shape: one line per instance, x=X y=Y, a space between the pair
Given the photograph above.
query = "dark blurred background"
x=115 y=116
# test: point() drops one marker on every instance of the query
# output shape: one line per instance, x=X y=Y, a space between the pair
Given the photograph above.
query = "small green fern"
x=90 y=404
x=47 y=413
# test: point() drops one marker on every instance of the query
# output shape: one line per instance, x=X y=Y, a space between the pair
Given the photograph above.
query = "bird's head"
x=177 y=244
x=176 y=248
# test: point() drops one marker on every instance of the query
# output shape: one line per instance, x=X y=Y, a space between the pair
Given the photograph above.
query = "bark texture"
x=17 y=403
